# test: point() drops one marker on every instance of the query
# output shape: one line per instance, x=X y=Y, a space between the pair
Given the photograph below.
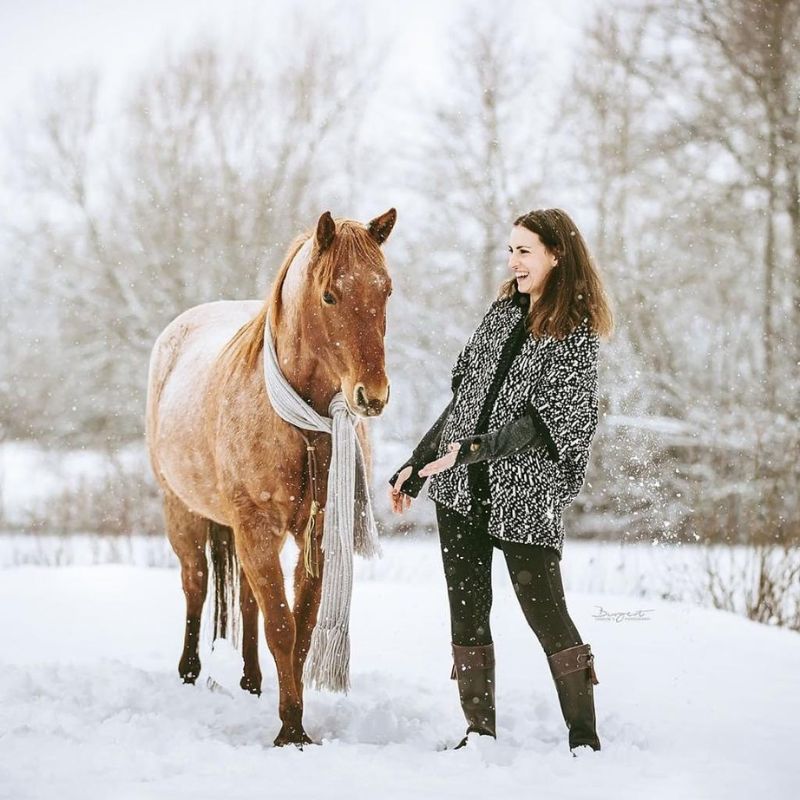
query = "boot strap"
x=573 y=659
x=466 y=657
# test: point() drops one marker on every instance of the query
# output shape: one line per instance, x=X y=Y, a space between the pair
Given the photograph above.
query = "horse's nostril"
x=375 y=408
x=371 y=406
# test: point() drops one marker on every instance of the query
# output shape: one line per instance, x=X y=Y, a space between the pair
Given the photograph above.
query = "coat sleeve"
x=425 y=451
x=514 y=437
x=428 y=447
x=564 y=407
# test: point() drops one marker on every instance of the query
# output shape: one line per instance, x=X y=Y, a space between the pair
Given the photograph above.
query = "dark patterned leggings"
x=535 y=573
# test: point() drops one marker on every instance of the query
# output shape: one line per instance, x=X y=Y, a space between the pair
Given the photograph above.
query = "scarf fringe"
x=328 y=662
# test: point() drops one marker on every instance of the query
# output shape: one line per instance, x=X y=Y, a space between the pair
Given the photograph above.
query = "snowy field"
x=692 y=703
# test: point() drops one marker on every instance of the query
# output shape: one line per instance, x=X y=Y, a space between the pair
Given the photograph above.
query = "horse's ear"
x=326 y=230
x=380 y=227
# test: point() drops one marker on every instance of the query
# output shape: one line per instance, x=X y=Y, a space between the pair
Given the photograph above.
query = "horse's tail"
x=225 y=568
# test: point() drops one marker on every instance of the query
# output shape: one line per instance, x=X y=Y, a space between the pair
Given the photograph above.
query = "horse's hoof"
x=251 y=685
x=292 y=735
x=189 y=669
x=189 y=672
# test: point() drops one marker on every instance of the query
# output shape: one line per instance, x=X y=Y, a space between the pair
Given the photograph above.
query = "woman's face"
x=529 y=260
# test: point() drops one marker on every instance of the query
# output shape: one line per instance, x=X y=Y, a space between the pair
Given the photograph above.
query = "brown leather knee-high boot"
x=473 y=668
x=574 y=676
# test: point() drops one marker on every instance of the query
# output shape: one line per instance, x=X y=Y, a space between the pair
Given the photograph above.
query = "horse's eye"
x=329 y=298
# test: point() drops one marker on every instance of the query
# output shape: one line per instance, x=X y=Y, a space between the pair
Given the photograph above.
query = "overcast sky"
x=41 y=38
x=45 y=39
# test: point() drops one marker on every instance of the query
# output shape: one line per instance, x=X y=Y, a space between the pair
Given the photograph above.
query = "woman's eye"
x=329 y=298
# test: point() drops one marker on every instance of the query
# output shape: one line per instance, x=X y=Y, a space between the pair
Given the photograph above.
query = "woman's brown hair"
x=573 y=289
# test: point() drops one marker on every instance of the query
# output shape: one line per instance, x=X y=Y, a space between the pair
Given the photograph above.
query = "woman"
x=509 y=454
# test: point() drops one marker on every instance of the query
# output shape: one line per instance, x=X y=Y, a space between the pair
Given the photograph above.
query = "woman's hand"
x=400 y=502
x=443 y=463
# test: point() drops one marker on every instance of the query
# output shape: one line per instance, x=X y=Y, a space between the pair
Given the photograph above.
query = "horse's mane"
x=352 y=244
x=246 y=345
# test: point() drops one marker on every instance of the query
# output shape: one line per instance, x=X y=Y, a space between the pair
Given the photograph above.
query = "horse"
x=236 y=476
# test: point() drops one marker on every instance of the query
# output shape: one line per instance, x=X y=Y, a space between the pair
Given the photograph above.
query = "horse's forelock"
x=352 y=248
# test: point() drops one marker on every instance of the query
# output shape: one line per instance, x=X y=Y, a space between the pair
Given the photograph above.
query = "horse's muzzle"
x=366 y=405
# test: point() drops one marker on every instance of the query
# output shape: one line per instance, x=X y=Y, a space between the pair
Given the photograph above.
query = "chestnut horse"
x=235 y=474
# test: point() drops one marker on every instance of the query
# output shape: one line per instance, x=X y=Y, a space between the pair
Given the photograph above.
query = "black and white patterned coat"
x=554 y=379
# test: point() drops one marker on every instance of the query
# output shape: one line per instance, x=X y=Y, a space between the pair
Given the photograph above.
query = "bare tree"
x=187 y=193
x=749 y=108
x=689 y=203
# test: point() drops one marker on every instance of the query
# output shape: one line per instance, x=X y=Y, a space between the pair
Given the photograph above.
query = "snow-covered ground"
x=692 y=703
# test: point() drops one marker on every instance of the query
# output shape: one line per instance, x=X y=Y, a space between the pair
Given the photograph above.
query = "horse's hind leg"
x=187 y=533
x=251 y=680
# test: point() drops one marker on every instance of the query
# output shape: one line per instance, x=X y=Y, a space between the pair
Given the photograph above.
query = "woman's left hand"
x=443 y=463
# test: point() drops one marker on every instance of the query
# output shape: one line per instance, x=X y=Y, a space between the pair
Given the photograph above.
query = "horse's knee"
x=280 y=635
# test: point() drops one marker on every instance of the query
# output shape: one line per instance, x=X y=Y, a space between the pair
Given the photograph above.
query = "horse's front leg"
x=307 y=596
x=259 y=552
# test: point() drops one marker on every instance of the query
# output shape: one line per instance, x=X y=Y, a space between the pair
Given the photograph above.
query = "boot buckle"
x=589 y=658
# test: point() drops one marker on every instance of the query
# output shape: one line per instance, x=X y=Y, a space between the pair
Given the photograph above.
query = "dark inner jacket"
x=476 y=451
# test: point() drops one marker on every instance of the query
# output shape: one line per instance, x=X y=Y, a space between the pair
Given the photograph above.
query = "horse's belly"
x=185 y=461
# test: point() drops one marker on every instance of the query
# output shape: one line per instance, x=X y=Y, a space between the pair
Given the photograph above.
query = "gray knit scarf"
x=349 y=524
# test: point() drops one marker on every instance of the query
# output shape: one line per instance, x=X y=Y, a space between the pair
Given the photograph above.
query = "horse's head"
x=337 y=288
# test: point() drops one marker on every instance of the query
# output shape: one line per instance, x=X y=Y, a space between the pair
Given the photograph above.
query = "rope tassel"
x=309 y=552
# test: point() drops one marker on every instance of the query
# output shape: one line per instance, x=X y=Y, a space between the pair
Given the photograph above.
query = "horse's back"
x=181 y=366
x=185 y=351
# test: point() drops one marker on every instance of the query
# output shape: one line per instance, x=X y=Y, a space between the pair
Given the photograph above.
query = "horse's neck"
x=297 y=356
